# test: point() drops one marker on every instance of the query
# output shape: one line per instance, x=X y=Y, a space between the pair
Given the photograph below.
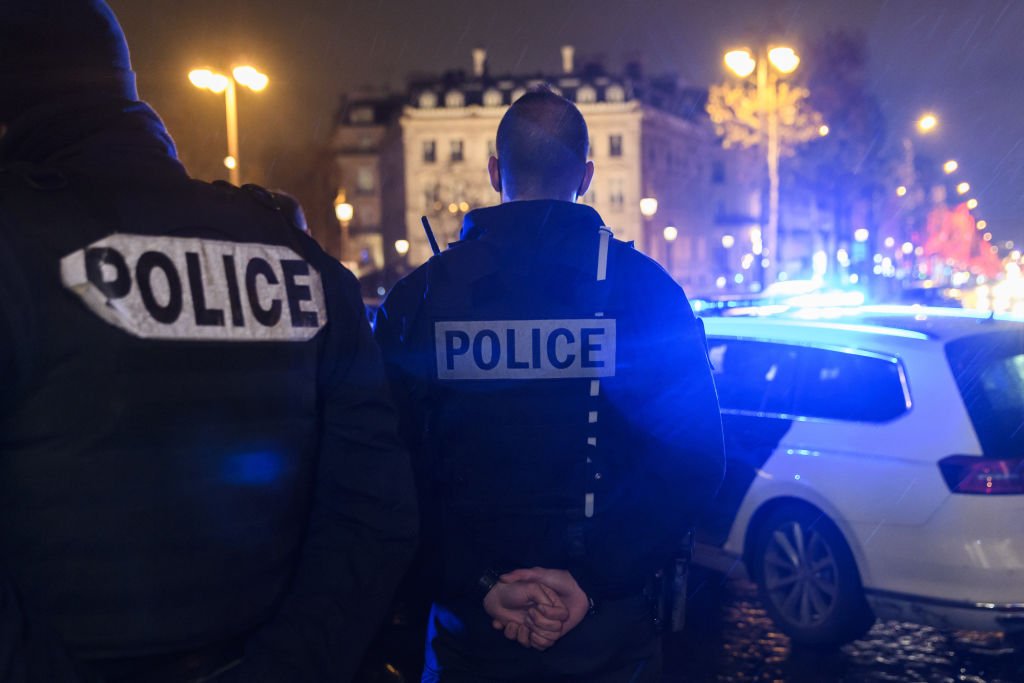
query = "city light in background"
x=927 y=123
x=217 y=83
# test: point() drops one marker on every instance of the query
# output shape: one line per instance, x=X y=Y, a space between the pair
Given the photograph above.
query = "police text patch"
x=197 y=289
x=525 y=349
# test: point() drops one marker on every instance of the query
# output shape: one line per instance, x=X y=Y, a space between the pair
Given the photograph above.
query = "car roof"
x=886 y=326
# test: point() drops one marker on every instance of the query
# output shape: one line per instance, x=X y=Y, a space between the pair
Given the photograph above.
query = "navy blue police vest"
x=520 y=350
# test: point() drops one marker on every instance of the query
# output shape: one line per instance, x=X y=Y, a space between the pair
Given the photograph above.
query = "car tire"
x=807 y=578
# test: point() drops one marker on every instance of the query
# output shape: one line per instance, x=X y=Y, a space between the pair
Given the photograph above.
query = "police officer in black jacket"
x=555 y=390
x=200 y=473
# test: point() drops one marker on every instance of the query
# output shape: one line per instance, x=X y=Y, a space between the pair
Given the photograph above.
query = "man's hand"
x=566 y=590
x=527 y=612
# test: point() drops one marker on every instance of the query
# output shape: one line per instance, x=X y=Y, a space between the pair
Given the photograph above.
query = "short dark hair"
x=542 y=144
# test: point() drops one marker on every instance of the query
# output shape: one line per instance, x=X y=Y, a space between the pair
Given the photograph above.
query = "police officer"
x=555 y=389
x=200 y=473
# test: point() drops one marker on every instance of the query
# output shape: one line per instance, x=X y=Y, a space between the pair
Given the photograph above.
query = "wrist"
x=487 y=581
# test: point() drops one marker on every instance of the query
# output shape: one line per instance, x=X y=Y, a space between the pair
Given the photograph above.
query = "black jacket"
x=196 y=443
x=506 y=452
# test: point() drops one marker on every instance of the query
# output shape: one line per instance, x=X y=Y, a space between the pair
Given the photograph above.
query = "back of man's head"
x=542 y=147
x=60 y=50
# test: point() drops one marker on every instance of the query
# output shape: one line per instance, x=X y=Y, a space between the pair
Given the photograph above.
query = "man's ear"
x=494 y=171
x=588 y=177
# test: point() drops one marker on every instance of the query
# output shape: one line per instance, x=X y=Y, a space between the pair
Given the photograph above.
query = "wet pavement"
x=730 y=639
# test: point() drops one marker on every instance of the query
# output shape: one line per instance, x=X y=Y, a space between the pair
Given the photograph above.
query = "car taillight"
x=983 y=476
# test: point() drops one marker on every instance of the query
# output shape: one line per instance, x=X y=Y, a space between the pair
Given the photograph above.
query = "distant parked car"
x=875 y=468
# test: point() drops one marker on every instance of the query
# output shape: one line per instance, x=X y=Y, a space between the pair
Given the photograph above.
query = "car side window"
x=839 y=385
x=751 y=376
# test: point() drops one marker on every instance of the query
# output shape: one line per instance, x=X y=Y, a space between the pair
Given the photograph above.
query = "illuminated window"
x=615 y=93
x=429 y=151
x=454 y=98
x=361 y=115
x=428 y=100
x=366 y=182
x=615 y=145
x=493 y=98
x=586 y=95
x=458 y=149
x=517 y=93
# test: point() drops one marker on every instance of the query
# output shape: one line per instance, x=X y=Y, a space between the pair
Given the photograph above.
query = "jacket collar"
x=531 y=222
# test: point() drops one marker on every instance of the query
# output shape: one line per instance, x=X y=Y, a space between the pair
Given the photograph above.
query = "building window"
x=493 y=98
x=454 y=98
x=431 y=192
x=615 y=93
x=429 y=151
x=366 y=183
x=615 y=145
x=428 y=100
x=586 y=95
x=457 y=150
x=616 y=196
x=517 y=93
x=361 y=115
x=718 y=172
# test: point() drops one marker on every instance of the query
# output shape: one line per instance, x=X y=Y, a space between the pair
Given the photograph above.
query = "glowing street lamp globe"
x=927 y=123
x=740 y=62
x=783 y=58
x=648 y=207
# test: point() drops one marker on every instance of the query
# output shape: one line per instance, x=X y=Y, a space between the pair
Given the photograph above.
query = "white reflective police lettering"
x=192 y=289
x=525 y=349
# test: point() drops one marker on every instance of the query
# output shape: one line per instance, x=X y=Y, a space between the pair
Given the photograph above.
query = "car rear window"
x=989 y=369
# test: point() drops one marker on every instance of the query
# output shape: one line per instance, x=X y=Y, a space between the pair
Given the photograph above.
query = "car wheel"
x=808 y=579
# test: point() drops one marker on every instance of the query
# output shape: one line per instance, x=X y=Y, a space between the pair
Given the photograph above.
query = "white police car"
x=876 y=468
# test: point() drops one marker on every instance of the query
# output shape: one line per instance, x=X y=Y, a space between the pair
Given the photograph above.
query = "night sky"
x=963 y=59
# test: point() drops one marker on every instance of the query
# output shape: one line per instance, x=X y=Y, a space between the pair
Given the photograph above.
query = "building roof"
x=590 y=84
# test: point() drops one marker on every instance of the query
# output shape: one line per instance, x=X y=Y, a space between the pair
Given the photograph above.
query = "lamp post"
x=783 y=60
x=670 y=233
x=344 y=212
x=217 y=83
x=648 y=207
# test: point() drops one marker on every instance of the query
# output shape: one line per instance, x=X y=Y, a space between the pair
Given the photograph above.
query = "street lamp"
x=784 y=60
x=402 y=247
x=344 y=212
x=950 y=166
x=648 y=207
x=963 y=188
x=927 y=123
x=670 y=233
x=205 y=79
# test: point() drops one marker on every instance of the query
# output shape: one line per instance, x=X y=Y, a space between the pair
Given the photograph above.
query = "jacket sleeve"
x=673 y=472
x=363 y=524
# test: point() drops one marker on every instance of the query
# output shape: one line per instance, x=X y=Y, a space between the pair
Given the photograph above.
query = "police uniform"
x=198 y=459
x=555 y=389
